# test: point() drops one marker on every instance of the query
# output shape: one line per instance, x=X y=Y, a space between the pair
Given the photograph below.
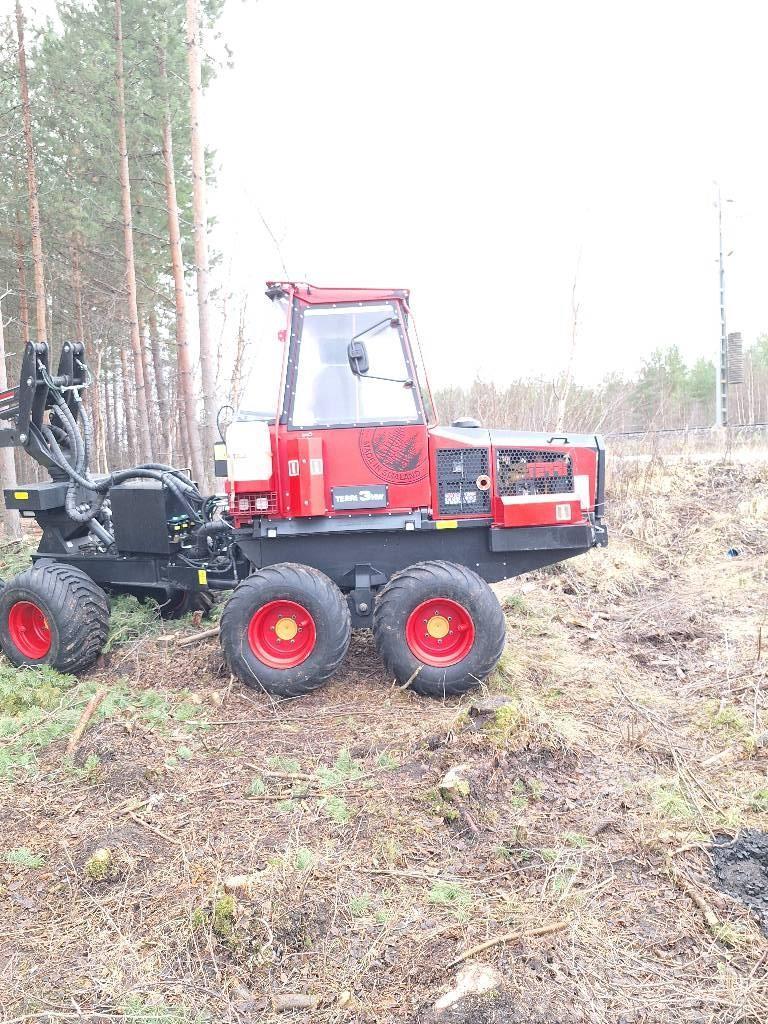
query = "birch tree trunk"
x=22 y=276
x=34 y=208
x=109 y=430
x=128 y=410
x=115 y=436
x=207 y=368
x=160 y=388
x=7 y=464
x=185 y=386
x=237 y=366
x=152 y=416
x=142 y=417
x=566 y=378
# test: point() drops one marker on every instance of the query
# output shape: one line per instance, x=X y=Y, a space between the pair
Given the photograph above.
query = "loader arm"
x=25 y=406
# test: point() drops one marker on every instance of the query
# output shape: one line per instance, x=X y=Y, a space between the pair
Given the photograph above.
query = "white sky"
x=479 y=152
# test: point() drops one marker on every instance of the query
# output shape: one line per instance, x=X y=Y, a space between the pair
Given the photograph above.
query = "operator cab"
x=350 y=430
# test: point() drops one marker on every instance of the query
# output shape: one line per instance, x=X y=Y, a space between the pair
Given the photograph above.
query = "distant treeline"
x=666 y=393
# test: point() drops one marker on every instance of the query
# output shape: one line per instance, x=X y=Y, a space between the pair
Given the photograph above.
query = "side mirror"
x=357 y=354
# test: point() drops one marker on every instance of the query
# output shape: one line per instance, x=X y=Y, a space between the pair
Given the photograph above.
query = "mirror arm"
x=408 y=381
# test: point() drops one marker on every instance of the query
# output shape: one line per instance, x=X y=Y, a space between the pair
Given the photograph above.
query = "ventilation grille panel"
x=457 y=472
x=521 y=471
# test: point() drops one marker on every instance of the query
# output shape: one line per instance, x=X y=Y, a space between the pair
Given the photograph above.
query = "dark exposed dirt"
x=740 y=867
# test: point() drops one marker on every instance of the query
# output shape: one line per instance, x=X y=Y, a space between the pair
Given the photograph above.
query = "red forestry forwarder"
x=347 y=507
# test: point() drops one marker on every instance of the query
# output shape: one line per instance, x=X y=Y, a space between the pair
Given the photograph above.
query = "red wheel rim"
x=29 y=630
x=440 y=632
x=282 y=634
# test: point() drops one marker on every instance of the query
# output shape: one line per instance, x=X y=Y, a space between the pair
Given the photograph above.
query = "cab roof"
x=313 y=295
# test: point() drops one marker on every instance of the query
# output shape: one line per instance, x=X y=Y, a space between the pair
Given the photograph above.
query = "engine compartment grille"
x=245 y=507
x=521 y=471
x=458 y=470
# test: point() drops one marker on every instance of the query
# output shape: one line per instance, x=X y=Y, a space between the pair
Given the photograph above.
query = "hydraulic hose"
x=70 y=499
x=76 y=468
x=87 y=434
x=205 y=532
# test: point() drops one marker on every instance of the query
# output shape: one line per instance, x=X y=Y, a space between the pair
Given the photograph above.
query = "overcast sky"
x=482 y=153
x=485 y=153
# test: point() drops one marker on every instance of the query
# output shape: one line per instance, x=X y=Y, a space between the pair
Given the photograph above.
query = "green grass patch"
x=257 y=787
x=287 y=765
x=561 y=881
x=577 y=840
x=439 y=806
x=39 y=705
x=729 y=722
x=758 y=801
x=138 y=1011
x=670 y=801
x=452 y=896
x=359 y=905
x=131 y=619
x=15 y=558
x=23 y=857
x=337 y=809
x=304 y=859
x=515 y=603
x=23 y=689
x=344 y=769
x=88 y=771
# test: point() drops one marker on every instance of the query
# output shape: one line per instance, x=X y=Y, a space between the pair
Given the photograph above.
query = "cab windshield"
x=328 y=393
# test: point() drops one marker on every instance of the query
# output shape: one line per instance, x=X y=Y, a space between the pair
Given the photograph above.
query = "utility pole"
x=721 y=378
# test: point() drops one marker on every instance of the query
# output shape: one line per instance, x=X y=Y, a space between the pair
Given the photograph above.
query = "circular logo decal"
x=396 y=455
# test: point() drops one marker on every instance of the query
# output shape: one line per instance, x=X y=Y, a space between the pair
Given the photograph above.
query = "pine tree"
x=34 y=207
x=142 y=416
x=207 y=363
x=186 y=392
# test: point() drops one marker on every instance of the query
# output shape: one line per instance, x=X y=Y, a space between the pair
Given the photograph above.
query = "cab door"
x=366 y=430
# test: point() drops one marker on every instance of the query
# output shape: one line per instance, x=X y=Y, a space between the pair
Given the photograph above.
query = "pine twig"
x=547 y=929
x=197 y=636
x=88 y=713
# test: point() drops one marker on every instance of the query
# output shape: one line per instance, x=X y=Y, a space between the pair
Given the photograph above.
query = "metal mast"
x=721 y=380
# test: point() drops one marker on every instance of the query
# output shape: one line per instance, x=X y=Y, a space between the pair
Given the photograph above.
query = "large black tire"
x=260 y=611
x=482 y=620
x=53 y=605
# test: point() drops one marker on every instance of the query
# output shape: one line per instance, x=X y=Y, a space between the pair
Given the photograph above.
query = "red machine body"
x=334 y=457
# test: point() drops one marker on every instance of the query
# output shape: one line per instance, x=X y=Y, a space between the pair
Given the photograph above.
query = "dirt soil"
x=252 y=855
x=741 y=869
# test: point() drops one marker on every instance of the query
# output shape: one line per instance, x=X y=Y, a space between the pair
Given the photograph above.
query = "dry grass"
x=259 y=849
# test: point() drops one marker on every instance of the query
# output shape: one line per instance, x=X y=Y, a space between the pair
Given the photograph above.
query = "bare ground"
x=260 y=851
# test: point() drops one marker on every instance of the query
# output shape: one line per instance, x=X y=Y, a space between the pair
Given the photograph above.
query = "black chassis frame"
x=360 y=554
x=385 y=544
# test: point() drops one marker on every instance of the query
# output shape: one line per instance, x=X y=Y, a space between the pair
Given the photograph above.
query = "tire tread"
x=297 y=579
x=389 y=624
x=79 y=607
